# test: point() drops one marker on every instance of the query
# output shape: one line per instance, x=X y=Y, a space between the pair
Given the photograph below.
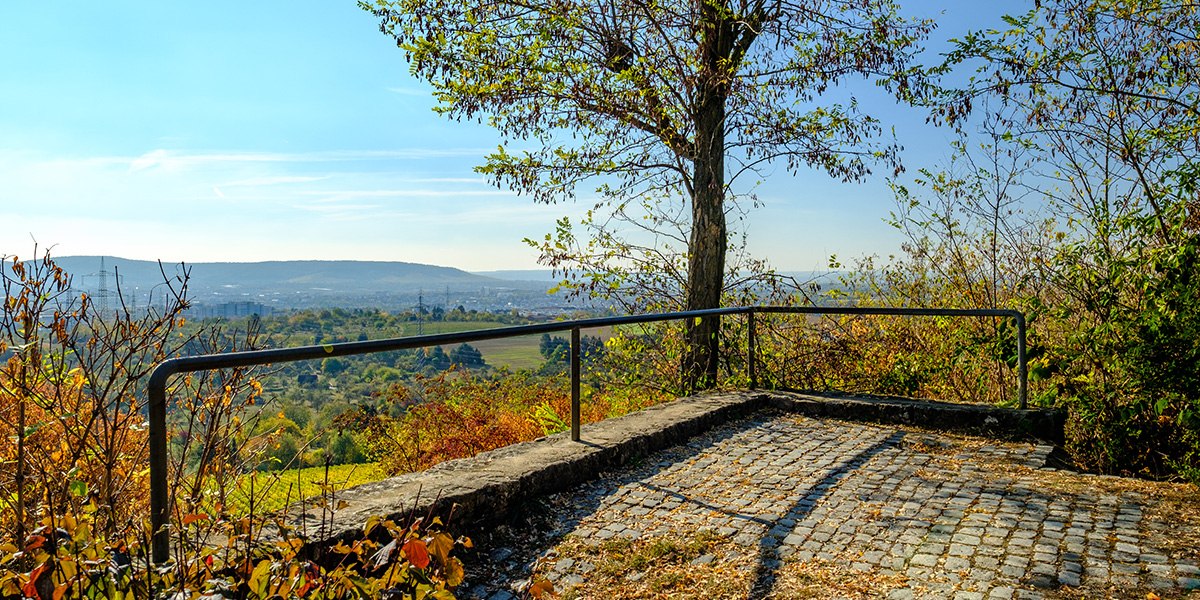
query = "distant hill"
x=350 y=277
x=546 y=275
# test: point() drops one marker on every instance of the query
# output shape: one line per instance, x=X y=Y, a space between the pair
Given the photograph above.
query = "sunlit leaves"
x=662 y=104
x=73 y=560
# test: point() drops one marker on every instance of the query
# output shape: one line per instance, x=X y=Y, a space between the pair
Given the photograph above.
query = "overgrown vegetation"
x=657 y=567
x=457 y=416
x=73 y=465
x=1072 y=197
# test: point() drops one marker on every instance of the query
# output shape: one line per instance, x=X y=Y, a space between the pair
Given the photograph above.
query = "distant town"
x=233 y=290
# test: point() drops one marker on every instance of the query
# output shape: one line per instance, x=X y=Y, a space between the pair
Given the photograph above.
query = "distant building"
x=228 y=310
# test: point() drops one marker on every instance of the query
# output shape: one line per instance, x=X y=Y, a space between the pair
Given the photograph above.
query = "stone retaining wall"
x=988 y=421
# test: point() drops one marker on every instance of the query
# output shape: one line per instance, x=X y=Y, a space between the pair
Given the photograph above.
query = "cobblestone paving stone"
x=940 y=516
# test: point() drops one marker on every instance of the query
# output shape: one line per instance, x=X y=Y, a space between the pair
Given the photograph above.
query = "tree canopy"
x=665 y=103
x=1100 y=82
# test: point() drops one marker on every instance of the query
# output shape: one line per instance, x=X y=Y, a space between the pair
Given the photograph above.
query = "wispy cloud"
x=525 y=213
x=370 y=203
x=446 y=180
x=275 y=180
x=148 y=160
x=330 y=209
x=337 y=211
x=340 y=195
x=176 y=160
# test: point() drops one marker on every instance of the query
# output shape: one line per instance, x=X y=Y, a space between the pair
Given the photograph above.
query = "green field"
x=432 y=327
x=516 y=353
x=273 y=491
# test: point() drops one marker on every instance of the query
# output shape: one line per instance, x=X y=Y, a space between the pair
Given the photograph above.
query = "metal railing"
x=163 y=371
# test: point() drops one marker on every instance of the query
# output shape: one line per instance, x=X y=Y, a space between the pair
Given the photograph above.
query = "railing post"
x=751 y=350
x=575 y=369
x=159 y=501
x=1022 y=362
x=713 y=369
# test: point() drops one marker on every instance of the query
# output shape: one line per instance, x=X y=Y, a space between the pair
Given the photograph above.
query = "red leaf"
x=541 y=588
x=416 y=553
x=192 y=518
x=30 y=589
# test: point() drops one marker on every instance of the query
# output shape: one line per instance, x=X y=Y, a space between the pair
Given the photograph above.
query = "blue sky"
x=273 y=130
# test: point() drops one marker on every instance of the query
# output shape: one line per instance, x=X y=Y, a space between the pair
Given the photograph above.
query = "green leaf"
x=1160 y=406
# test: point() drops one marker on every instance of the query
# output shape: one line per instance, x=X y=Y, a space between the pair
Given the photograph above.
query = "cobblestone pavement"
x=898 y=513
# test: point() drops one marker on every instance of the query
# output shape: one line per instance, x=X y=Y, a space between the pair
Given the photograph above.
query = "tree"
x=557 y=350
x=664 y=103
x=554 y=349
x=433 y=360
x=467 y=356
x=1104 y=96
x=1115 y=82
x=334 y=366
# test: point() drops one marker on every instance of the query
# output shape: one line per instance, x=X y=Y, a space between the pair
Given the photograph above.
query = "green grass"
x=432 y=327
x=515 y=353
x=273 y=491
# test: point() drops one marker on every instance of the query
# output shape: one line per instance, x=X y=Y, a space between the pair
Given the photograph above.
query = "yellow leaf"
x=260 y=578
x=454 y=573
x=373 y=521
x=440 y=547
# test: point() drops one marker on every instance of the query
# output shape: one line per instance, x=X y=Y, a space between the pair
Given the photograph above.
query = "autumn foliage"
x=74 y=474
x=69 y=399
x=457 y=414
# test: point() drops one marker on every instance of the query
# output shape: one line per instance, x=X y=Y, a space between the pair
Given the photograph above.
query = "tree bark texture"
x=707 y=243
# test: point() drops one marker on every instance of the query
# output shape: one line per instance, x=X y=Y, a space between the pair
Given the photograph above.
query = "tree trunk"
x=707 y=243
